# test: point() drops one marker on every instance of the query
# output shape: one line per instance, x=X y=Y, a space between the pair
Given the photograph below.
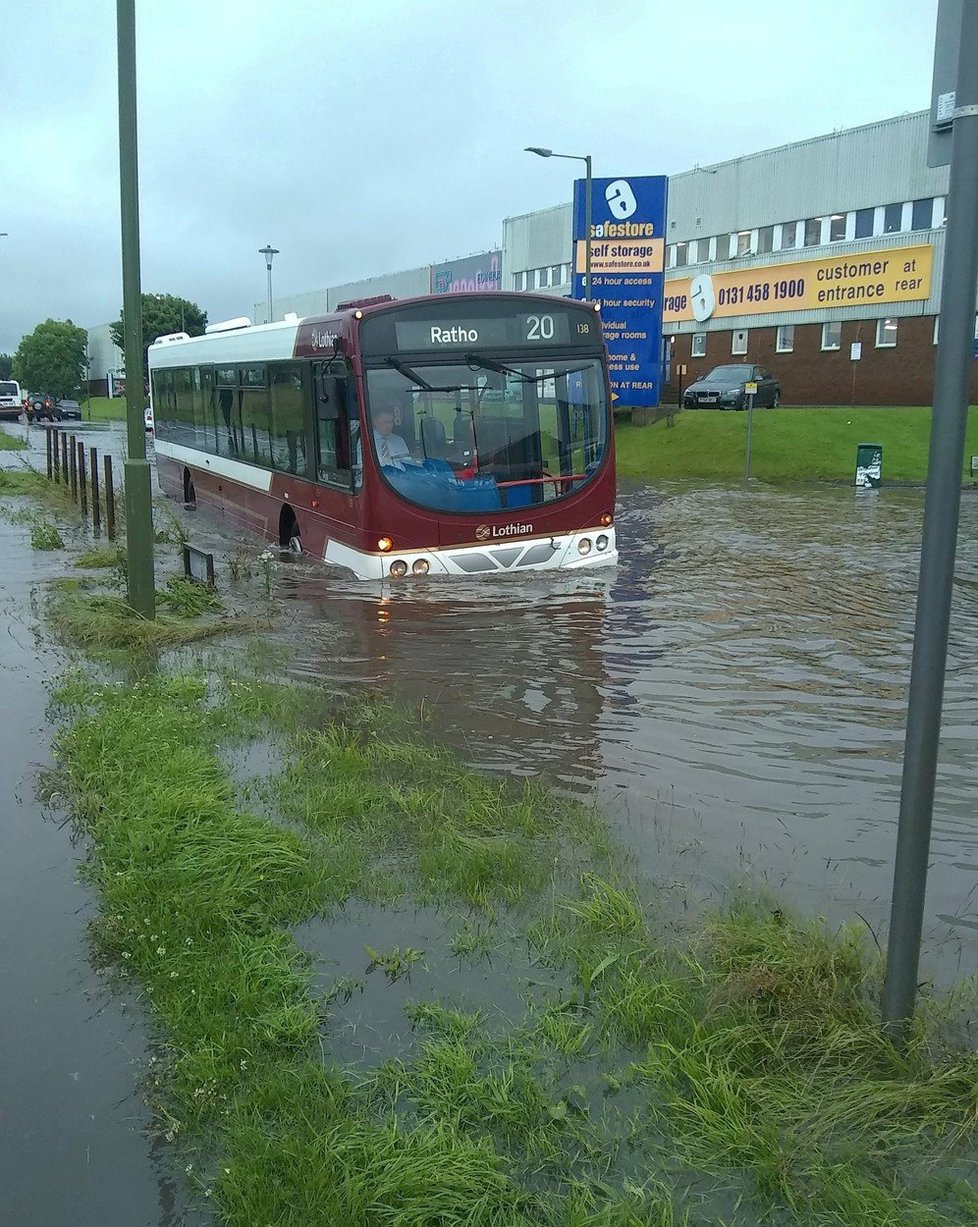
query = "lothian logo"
x=486 y=531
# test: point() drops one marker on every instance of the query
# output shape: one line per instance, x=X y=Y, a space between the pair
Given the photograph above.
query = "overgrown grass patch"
x=103 y=621
x=101 y=556
x=11 y=443
x=736 y=1079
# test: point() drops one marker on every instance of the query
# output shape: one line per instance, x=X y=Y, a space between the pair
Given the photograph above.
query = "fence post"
x=73 y=470
x=96 y=509
x=109 y=500
x=82 y=480
x=64 y=457
x=47 y=449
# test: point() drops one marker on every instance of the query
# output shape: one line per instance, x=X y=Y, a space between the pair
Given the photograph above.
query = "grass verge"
x=11 y=443
x=811 y=444
x=738 y=1079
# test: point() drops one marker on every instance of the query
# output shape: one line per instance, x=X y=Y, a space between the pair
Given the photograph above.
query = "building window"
x=743 y=243
x=698 y=347
x=922 y=217
x=765 y=239
x=886 y=334
x=892 y=218
x=789 y=235
x=555 y=275
x=738 y=342
x=837 y=227
x=785 y=343
x=832 y=336
x=813 y=231
x=519 y=281
x=701 y=251
x=864 y=223
x=682 y=255
x=723 y=246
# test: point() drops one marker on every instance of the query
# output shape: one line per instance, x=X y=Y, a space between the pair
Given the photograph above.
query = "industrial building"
x=821 y=260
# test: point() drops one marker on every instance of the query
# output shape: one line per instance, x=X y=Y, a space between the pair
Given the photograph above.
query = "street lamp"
x=268 y=251
x=586 y=159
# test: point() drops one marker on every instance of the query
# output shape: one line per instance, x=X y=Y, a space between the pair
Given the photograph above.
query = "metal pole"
x=82 y=479
x=138 y=490
x=109 y=499
x=588 y=294
x=949 y=419
x=96 y=509
x=750 y=420
x=269 y=267
x=73 y=463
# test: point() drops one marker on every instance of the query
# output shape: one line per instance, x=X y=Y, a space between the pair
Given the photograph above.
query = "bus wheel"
x=189 y=493
x=288 y=532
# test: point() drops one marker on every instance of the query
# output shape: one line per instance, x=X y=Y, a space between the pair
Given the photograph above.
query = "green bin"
x=869 y=466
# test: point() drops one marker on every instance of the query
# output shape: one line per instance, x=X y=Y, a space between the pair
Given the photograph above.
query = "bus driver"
x=391 y=448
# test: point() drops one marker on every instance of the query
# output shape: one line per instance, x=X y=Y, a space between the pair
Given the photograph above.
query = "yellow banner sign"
x=895 y=274
x=609 y=256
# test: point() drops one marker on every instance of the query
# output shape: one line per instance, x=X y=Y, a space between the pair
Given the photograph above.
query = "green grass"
x=812 y=444
x=738 y=1078
x=101 y=556
x=11 y=443
x=104 y=409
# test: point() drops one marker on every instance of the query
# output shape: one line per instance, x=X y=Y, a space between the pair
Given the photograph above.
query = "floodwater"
x=732 y=694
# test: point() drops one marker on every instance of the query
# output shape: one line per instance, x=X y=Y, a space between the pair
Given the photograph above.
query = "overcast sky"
x=365 y=136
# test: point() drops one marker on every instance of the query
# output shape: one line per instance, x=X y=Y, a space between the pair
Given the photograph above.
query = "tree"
x=162 y=314
x=52 y=358
x=6 y=366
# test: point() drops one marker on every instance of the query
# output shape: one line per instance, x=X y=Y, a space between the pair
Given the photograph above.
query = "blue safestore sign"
x=628 y=223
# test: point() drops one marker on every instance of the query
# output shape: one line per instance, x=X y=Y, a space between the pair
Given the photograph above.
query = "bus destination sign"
x=503 y=331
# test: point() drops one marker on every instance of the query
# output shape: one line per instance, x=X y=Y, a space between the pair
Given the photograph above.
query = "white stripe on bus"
x=244 y=474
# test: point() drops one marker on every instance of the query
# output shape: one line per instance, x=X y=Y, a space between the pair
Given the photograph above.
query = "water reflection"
x=513 y=674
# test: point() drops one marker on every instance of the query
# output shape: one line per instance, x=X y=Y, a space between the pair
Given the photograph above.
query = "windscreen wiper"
x=410 y=373
x=490 y=364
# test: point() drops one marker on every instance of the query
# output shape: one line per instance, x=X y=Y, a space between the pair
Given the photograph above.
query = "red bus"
x=448 y=435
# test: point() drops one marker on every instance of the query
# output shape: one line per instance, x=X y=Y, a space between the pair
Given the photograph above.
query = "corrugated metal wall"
x=872 y=165
x=534 y=240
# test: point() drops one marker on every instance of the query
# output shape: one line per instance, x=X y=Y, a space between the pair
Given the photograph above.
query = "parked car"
x=10 y=398
x=70 y=409
x=41 y=405
x=723 y=388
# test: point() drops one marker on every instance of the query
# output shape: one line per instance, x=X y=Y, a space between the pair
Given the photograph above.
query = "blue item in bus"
x=519 y=496
x=433 y=484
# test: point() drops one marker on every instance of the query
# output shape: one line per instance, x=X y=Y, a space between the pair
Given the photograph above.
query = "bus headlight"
x=584 y=545
x=384 y=544
x=607 y=520
x=602 y=542
x=420 y=566
x=398 y=568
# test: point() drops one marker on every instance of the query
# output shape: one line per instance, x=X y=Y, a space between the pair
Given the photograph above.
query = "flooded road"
x=733 y=694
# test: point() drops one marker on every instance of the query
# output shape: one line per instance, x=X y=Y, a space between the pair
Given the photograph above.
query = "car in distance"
x=723 y=388
x=40 y=405
x=70 y=409
x=10 y=398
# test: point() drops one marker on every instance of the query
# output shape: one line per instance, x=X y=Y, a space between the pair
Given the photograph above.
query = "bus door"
x=339 y=461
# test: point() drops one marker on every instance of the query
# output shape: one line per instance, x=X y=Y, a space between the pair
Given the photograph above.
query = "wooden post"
x=96 y=509
x=47 y=449
x=109 y=500
x=73 y=461
x=82 y=480
x=64 y=457
x=55 y=454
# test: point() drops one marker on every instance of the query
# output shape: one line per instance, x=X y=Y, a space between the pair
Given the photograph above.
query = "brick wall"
x=902 y=375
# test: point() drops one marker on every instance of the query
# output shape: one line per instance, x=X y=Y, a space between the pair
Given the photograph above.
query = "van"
x=10 y=402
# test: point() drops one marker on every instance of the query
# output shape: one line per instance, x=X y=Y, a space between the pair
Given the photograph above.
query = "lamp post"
x=586 y=159
x=268 y=251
